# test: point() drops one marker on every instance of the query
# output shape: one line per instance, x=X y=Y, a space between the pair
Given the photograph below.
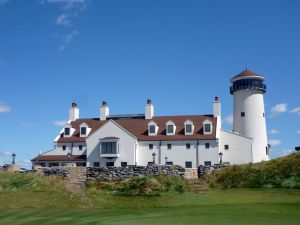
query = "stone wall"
x=81 y=174
x=120 y=173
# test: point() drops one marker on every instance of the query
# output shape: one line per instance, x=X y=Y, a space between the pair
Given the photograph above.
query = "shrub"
x=142 y=186
x=278 y=173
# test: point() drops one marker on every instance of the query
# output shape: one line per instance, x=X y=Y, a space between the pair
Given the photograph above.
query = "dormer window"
x=68 y=130
x=152 y=128
x=207 y=127
x=188 y=127
x=170 y=128
x=84 y=130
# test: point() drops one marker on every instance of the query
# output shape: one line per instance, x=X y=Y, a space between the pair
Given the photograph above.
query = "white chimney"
x=104 y=111
x=217 y=114
x=74 y=112
x=149 y=110
x=217 y=107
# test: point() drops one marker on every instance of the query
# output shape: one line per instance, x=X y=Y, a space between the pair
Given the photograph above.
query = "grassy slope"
x=29 y=199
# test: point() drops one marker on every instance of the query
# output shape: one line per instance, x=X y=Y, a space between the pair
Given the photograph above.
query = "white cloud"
x=5 y=153
x=298 y=131
x=68 y=38
x=296 y=110
x=3 y=2
x=63 y=20
x=274 y=142
x=4 y=107
x=228 y=119
x=278 y=109
x=274 y=131
x=287 y=152
x=68 y=4
x=60 y=123
x=30 y=124
x=24 y=162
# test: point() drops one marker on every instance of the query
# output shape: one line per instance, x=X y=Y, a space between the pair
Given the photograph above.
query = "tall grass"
x=278 y=173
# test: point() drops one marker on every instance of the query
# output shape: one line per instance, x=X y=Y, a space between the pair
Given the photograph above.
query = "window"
x=170 y=129
x=242 y=114
x=96 y=164
x=207 y=163
x=150 y=146
x=53 y=164
x=226 y=147
x=267 y=151
x=109 y=148
x=263 y=114
x=123 y=164
x=188 y=128
x=67 y=131
x=170 y=163
x=83 y=130
x=207 y=128
x=64 y=147
x=81 y=164
x=207 y=145
x=110 y=164
x=188 y=164
x=169 y=146
x=152 y=129
x=188 y=145
x=80 y=147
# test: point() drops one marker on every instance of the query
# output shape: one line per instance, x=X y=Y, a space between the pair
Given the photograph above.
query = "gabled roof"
x=139 y=128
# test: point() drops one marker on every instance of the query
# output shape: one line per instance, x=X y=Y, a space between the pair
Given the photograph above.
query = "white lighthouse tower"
x=249 y=113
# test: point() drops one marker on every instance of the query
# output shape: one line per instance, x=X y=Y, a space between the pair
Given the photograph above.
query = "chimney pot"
x=149 y=102
x=104 y=103
x=74 y=104
x=216 y=98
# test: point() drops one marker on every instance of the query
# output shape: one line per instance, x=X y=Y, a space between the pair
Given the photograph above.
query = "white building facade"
x=187 y=140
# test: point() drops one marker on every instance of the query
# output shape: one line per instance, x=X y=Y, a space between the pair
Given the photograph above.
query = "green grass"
x=30 y=200
x=282 y=172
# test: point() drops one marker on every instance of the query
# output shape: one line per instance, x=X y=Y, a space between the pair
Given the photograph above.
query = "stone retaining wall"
x=120 y=173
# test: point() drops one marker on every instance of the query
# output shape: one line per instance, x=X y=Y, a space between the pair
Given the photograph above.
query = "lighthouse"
x=248 y=90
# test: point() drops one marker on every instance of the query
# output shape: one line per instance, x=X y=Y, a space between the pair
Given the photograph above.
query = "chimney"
x=217 y=107
x=74 y=112
x=104 y=111
x=149 y=110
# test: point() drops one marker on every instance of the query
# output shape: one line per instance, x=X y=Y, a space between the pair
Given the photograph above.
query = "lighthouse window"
x=242 y=114
x=263 y=114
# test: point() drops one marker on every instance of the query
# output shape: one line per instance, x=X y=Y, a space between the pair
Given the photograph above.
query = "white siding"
x=126 y=145
x=240 y=148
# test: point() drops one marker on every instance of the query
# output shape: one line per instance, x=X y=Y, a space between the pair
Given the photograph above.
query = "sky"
x=179 y=53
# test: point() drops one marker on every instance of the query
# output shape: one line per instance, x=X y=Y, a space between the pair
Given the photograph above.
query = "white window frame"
x=170 y=123
x=188 y=122
x=152 y=123
x=207 y=122
x=88 y=130
x=72 y=130
x=110 y=140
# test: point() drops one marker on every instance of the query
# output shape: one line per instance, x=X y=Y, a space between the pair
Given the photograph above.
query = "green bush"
x=142 y=186
x=278 y=173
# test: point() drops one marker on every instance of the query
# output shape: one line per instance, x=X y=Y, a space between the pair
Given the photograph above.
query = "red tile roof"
x=59 y=158
x=139 y=128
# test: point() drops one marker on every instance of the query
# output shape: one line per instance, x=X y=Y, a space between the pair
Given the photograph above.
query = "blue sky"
x=178 y=53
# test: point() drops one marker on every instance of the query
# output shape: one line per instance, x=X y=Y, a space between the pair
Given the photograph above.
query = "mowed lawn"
x=34 y=200
x=217 y=207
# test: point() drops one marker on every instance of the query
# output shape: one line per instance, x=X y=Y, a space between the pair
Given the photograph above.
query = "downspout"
x=197 y=154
